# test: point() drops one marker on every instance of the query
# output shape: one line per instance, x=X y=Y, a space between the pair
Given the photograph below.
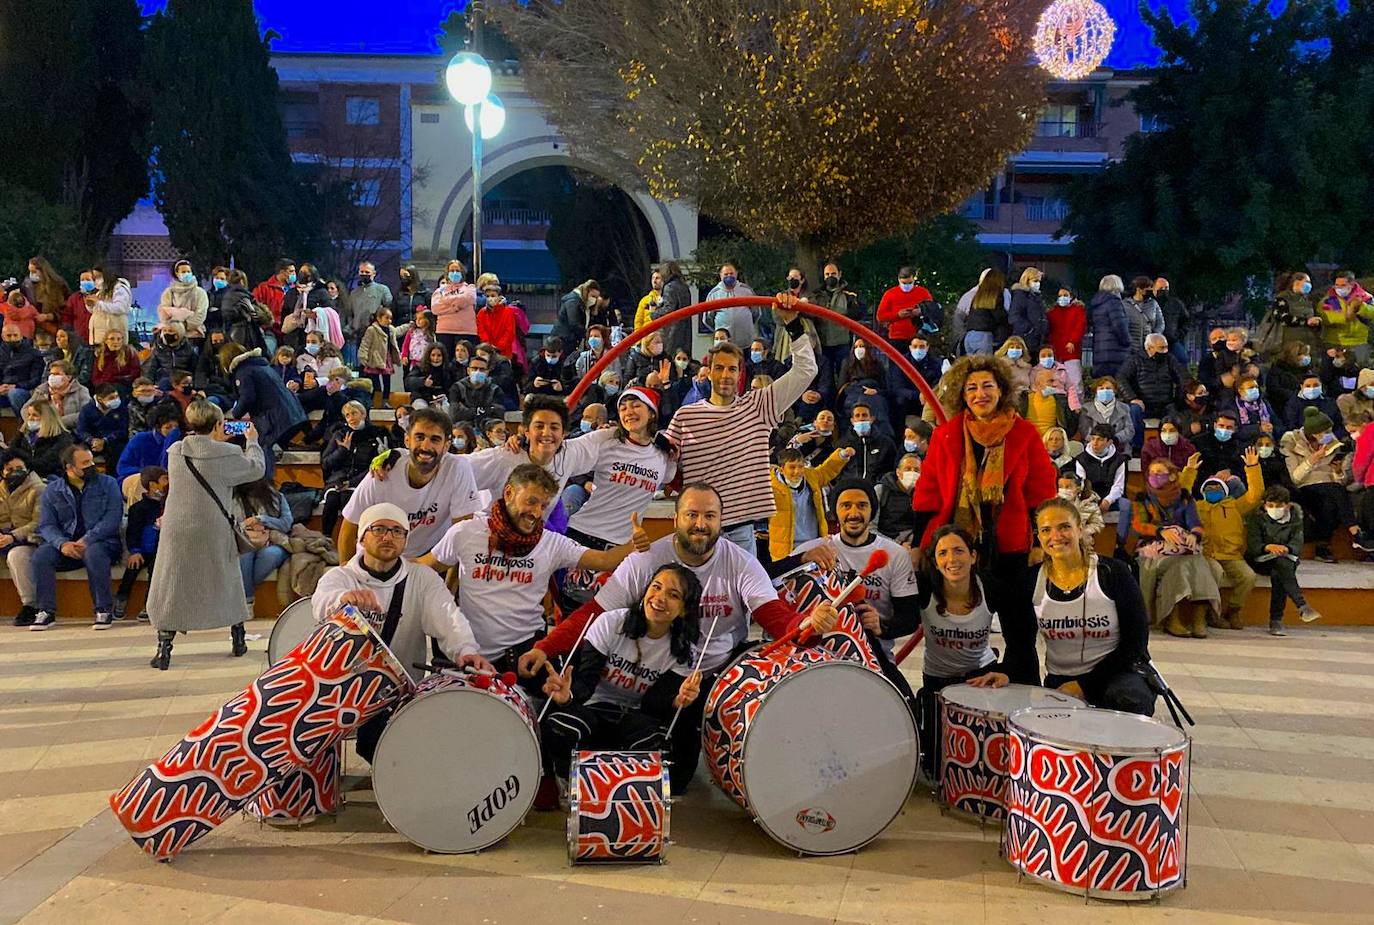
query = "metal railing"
x=1051 y=210
x=1073 y=128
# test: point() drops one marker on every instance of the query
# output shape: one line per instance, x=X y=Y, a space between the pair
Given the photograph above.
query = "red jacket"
x=1067 y=326
x=498 y=328
x=270 y=293
x=1364 y=456
x=76 y=315
x=1029 y=478
x=115 y=371
x=894 y=301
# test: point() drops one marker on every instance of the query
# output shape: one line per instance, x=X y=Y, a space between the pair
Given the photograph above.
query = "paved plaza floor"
x=1282 y=815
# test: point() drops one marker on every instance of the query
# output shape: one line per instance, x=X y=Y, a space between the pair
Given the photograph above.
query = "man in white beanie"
x=414 y=599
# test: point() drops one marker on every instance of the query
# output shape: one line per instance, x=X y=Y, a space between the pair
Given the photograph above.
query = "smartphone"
x=235 y=428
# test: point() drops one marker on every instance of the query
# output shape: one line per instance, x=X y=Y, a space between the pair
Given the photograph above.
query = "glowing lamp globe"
x=468 y=77
x=1073 y=37
x=493 y=116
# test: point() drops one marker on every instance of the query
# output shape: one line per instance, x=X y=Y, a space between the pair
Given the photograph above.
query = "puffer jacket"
x=1108 y=321
x=1027 y=318
x=19 y=509
x=1223 y=523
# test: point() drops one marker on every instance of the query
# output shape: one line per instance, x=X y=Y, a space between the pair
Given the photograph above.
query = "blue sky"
x=413 y=26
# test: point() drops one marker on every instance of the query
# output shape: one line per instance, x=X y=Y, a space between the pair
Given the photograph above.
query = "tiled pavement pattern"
x=1282 y=815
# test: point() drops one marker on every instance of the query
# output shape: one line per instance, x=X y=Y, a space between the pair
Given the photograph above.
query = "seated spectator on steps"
x=1273 y=546
x=149 y=447
x=79 y=521
x=104 y=425
x=141 y=534
x=19 y=511
x=263 y=511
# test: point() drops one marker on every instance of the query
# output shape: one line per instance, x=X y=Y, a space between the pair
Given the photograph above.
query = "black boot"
x=163 y=660
x=240 y=643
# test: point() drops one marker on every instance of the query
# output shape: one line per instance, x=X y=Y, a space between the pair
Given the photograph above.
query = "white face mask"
x=1068 y=494
x=1266 y=452
x=860 y=353
x=1035 y=286
x=907 y=479
x=1277 y=513
x=1169 y=439
x=793 y=484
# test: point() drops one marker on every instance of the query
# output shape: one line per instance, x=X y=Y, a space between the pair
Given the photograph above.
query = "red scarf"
x=504 y=537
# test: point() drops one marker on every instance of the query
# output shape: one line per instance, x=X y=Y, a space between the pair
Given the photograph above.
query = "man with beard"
x=505 y=561
x=415 y=601
x=436 y=491
x=735 y=588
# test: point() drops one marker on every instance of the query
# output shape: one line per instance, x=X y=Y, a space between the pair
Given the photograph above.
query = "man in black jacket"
x=21 y=367
x=476 y=392
x=171 y=351
x=875 y=455
x=1219 y=448
x=1152 y=383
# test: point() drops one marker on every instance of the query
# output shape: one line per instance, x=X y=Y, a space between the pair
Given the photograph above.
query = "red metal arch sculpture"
x=806 y=308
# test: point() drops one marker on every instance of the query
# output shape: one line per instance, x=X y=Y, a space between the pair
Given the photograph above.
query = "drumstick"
x=802 y=632
x=916 y=637
x=568 y=664
x=700 y=655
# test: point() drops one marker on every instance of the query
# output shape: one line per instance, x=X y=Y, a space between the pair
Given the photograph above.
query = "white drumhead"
x=1105 y=731
x=450 y=754
x=292 y=628
x=829 y=758
x=1004 y=701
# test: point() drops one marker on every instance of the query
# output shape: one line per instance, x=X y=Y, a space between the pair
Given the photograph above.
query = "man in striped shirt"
x=724 y=440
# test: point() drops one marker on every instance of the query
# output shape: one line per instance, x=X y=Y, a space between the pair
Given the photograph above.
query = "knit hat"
x=1314 y=422
x=383 y=511
x=642 y=394
x=853 y=484
x=1219 y=483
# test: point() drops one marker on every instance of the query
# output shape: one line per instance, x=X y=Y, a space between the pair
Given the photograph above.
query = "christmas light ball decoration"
x=1073 y=38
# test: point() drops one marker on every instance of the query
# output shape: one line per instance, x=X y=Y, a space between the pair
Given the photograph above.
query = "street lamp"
x=468 y=77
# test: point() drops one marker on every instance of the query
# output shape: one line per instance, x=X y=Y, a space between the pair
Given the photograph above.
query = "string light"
x=1073 y=38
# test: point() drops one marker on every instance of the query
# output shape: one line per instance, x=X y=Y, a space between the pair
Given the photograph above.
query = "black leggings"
x=602 y=725
x=335 y=499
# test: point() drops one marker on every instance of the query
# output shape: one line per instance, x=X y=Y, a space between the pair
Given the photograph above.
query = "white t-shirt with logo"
x=432 y=509
x=1078 y=633
x=632 y=665
x=503 y=598
x=895 y=579
x=626 y=477
x=956 y=644
x=733 y=585
x=492 y=467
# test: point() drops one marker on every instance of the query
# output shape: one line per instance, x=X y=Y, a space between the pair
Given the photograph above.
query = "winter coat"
x=1067 y=325
x=378 y=349
x=1218 y=454
x=21 y=365
x=102 y=512
x=239 y=315
x=1261 y=530
x=782 y=525
x=1223 y=523
x=300 y=315
x=275 y=409
x=1028 y=479
x=1111 y=329
x=312 y=554
x=1283 y=382
x=406 y=305
x=184 y=302
x=111 y=314
x=69 y=409
x=1296 y=449
x=117 y=369
x=895 y=520
x=1156 y=448
x=1027 y=318
x=454 y=309
x=1118 y=418
x=19 y=509
x=1297 y=406
x=874 y=456
x=1176 y=318
x=496 y=326
x=164 y=359
x=348 y=464
x=842 y=301
x=482 y=401
x=196 y=584
x=1144 y=318
x=1157 y=381
x=1339 y=330
x=110 y=426
x=44 y=453
x=145 y=448
x=1292 y=311
x=678 y=335
x=441 y=379
x=208 y=376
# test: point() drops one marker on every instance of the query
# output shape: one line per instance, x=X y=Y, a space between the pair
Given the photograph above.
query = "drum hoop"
x=1183 y=745
x=998 y=714
x=763 y=703
x=538 y=760
x=573 y=827
x=276 y=623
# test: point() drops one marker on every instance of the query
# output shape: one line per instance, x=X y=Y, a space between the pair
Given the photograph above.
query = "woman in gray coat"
x=196 y=583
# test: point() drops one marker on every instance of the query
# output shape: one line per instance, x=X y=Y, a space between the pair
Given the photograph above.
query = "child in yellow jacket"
x=1223 y=530
x=798 y=495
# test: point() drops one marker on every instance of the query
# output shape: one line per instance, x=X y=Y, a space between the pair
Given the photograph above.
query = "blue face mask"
x=553 y=358
x=729 y=280
x=1222 y=433
x=611 y=388
x=586 y=426
x=909 y=445
x=187 y=278
x=291 y=279
x=455 y=277
x=756 y=356
x=478 y=376
x=1106 y=396
x=1014 y=353
x=1214 y=495
x=1251 y=394
x=220 y=284
x=87 y=286
x=1305 y=360
x=920 y=353
x=312 y=349
x=1310 y=392
x=594 y=343
x=1047 y=362
x=1307 y=287
x=863 y=427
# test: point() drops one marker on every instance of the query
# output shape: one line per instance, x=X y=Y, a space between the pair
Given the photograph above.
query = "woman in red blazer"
x=986 y=469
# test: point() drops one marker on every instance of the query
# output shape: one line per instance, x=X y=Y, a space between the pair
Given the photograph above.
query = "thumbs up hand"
x=639 y=537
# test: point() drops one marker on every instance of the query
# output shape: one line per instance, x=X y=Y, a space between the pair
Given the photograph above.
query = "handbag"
x=241 y=541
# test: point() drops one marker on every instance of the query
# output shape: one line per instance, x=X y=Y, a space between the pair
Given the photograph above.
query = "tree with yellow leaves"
x=824 y=123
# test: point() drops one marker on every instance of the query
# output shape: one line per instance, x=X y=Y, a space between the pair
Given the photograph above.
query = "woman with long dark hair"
x=262 y=511
x=633 y=670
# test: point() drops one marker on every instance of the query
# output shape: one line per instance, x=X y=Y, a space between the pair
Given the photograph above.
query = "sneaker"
x=1276 y=629
x=1362 y=541
x=104 y=619
x=1309 y=614
x=143 y=616
x=121 y=603
x=42 y=620
x=1324 y=554
x=25 y=617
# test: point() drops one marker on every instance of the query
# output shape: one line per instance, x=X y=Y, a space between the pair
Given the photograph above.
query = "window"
x=1058 y=120
x=363 y=110
x=429 y=118
x=367 y=193
x=1152 y=124
x=300 y=114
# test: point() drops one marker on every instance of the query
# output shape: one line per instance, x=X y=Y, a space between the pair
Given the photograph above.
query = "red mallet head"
x=480 y=681
x=877 y=560
x=508 y=679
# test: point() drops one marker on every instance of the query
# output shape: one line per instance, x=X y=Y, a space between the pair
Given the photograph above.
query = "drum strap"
x=393 y=613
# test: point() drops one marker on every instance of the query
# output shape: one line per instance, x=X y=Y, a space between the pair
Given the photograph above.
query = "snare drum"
x=305 y=795
x=294 y=624
x=619 y=807
x=457 y=767
x=1097 y=802
x=973 y=742
x=820 y=749
x=336 y=680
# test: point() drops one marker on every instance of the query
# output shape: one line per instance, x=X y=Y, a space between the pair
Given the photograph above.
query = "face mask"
x=793 y=283
x=1068 y=494
x=1266 y=452
x=1305 y=360
x=291 y=279
x=1277 y=513
x=1368 y=391
x=1213 y=496
x=907 y=479
x=553 y=358
x=1326 y=438
x=16 y=478
x=478 y=376
x=455 y=277
x=1199 y=398
x=56 y=381
x=312 y=349
x=1251 y=394
x=863 y=427
x=113 y=404
x=365 y=280
x=33 y=426
x=1310 y=392
x=1307 y=287
x=220 y=284
x=1063 y=301
x=756 y=356
x=594 y=343
x=681 y=365
x=825 y=431
x=729 y=280
x=1106 y=396
x=920 y=353
x=1343 y=291
x=1035 y=286
x=187 y=278
x=909 y=445
x=1014 y=353
x=586 y=426
x=860 y=352
x=144 y=399
x=1222 y=434
x=1047 y=362
x=87 y=286
x=793 y=484
x=906 y=287
x=1169 y=439
x=460 y=443
x=832 y=282
x=1048 y=391
x=612 y=389
x=89 y=473
x=1158 y=479
x=171 y=340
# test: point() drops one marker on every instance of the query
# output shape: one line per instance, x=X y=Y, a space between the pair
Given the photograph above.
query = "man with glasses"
x=413 y=603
